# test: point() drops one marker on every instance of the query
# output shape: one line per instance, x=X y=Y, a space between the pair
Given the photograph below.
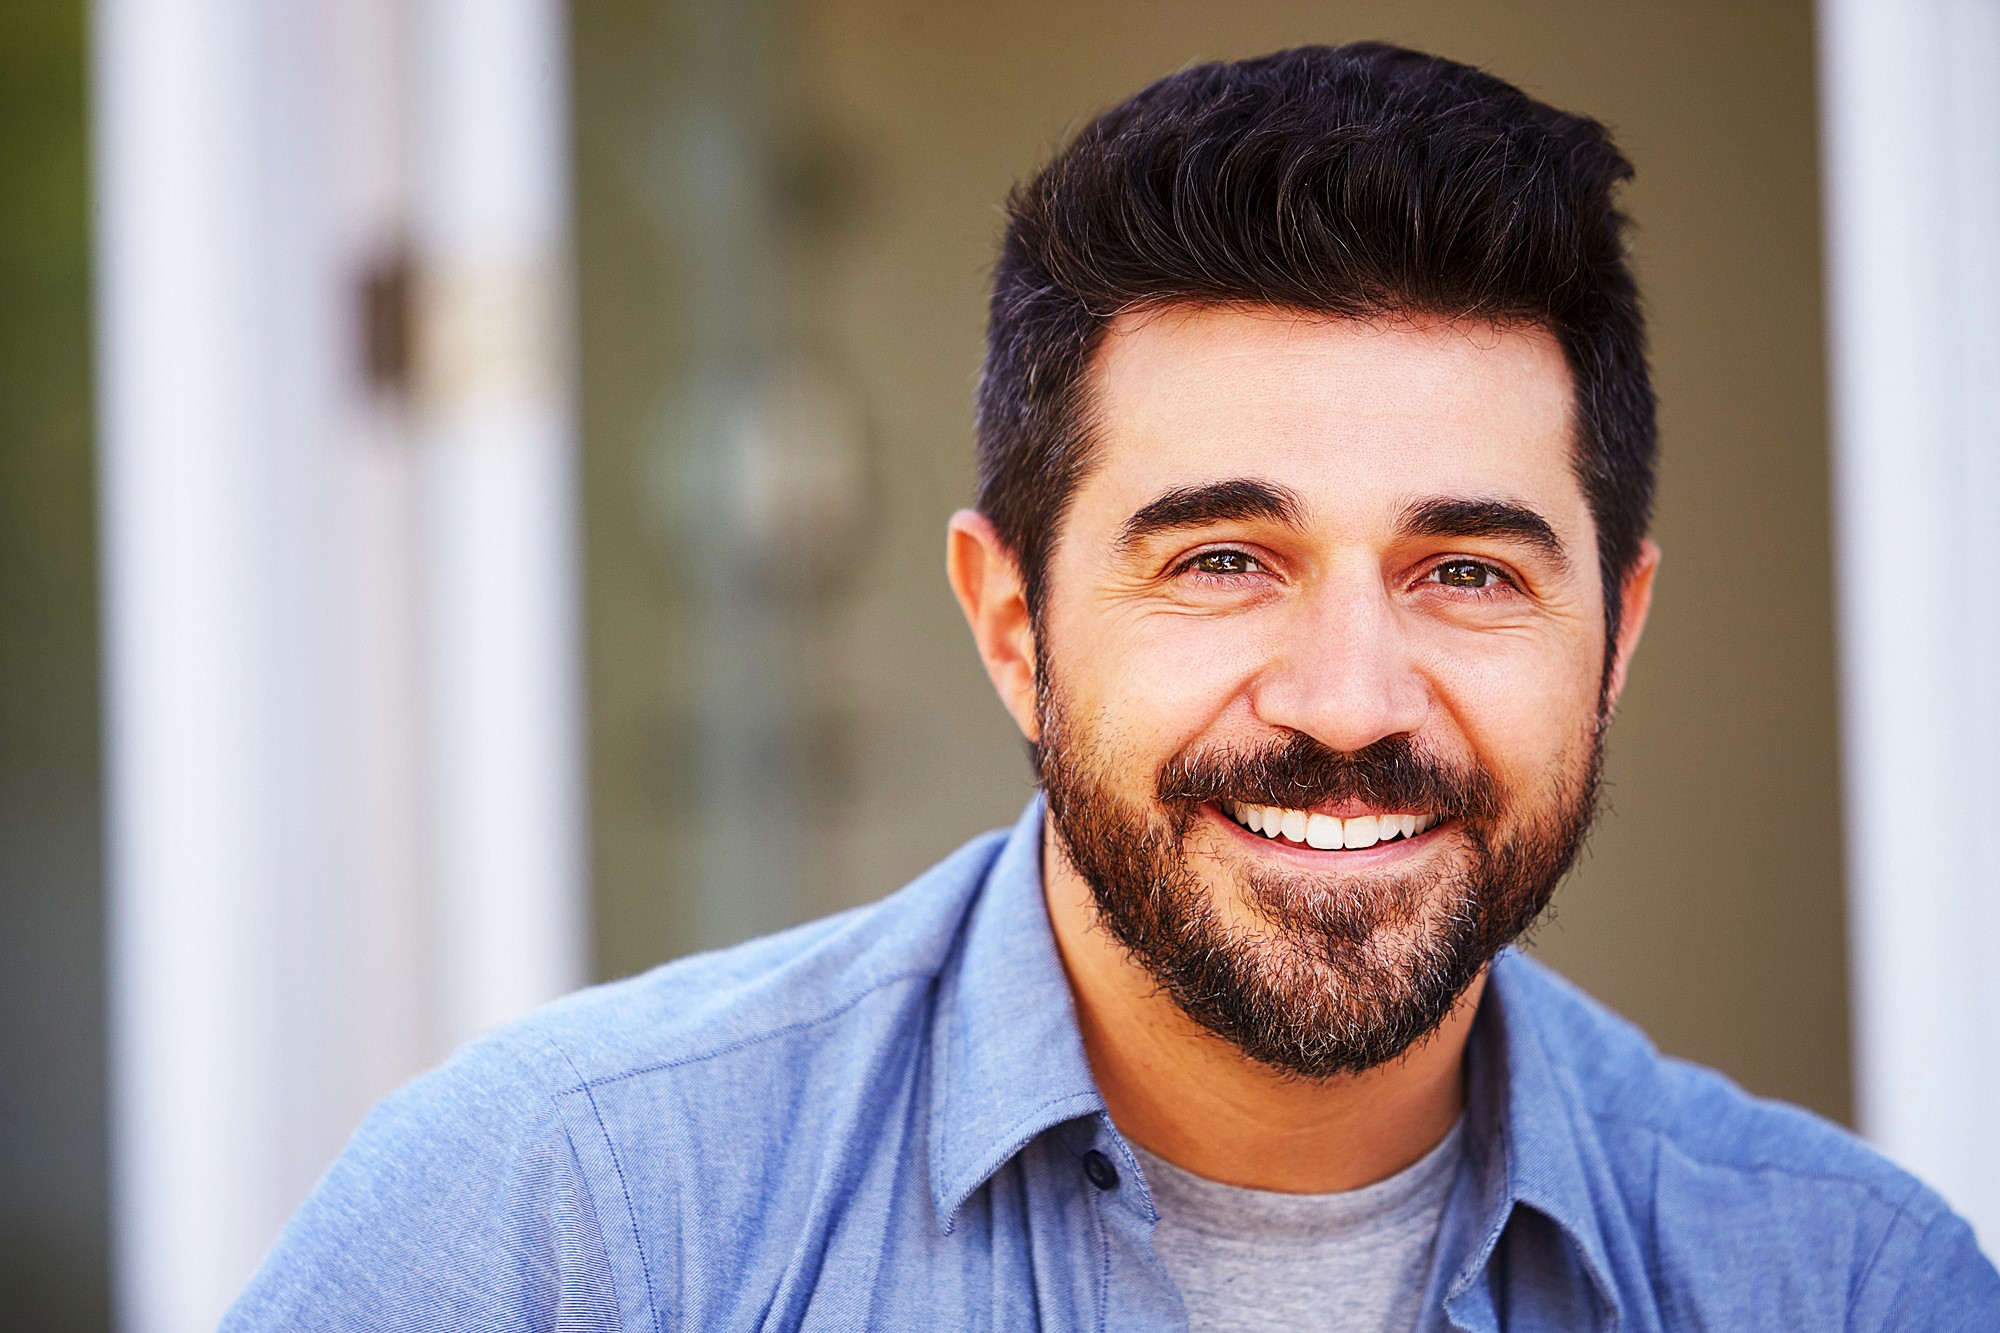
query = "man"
x=1316 y=454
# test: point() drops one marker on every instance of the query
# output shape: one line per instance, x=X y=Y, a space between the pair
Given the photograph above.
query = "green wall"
x=54 y=1225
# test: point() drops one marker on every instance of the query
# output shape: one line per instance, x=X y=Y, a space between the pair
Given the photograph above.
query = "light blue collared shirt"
x=885 y=1120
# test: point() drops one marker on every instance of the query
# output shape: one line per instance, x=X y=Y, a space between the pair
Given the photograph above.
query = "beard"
x=1339 y=971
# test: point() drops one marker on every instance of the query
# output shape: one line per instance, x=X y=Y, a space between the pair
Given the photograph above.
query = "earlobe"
x=987 y=582
x=1635 y=597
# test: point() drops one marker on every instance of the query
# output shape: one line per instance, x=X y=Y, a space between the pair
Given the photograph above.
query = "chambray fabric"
x=885 y=1120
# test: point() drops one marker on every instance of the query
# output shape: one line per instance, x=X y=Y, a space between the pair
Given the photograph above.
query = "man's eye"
x=1472 y=574
x=1224 y=562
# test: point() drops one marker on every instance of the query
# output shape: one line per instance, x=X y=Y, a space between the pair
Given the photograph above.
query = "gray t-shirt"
x=1253 y=1261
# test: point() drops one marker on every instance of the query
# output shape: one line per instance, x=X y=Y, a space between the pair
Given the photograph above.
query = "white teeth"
x=1324 y=832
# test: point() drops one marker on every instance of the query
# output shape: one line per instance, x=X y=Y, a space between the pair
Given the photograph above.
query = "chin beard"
x=1340 y=972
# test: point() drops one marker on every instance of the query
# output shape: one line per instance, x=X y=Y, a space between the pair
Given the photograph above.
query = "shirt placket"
x=1138 y=1296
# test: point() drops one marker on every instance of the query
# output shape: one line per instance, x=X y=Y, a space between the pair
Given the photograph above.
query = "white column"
x=1911 y=124
x=339 y=618
x=214 y=444
x=491 y=206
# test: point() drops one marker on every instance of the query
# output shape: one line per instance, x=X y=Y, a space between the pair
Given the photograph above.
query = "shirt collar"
x=1007 y=1057
x=1529 y=1143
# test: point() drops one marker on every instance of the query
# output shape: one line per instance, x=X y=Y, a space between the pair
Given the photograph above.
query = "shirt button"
x=1098 y=1167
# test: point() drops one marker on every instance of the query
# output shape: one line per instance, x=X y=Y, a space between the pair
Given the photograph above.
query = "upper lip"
x=1347 y=809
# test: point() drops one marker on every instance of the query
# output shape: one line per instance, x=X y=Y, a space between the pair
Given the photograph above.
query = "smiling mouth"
x=1326 y=832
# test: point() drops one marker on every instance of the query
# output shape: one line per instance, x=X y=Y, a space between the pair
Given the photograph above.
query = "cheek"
x=1155 y=685
x=1520 y=702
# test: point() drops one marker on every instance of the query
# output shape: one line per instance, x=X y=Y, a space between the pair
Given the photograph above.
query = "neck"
x=1183 y=1094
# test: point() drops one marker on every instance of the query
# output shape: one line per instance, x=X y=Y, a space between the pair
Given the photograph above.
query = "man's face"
x=1320 y=667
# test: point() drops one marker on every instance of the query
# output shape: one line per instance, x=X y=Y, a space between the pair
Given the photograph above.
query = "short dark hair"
x=1354 y=181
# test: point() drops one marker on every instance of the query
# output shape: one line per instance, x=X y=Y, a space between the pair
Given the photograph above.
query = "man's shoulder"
x=1679 y=1121
x=736 y=999
x=1731 y=1210
x=478 y=1190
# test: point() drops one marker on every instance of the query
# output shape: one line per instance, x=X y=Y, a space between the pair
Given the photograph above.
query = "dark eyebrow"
x=1216 y=502
x=1449 y=516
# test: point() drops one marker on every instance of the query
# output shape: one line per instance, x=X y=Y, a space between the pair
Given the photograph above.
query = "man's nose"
x=1345 y=674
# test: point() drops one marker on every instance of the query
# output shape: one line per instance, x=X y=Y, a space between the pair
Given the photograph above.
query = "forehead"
x=1356 y=416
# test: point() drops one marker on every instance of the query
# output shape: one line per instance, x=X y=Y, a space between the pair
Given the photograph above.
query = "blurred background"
x=472 y=487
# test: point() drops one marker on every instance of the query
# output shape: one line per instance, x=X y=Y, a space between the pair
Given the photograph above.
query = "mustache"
x=1394 y=773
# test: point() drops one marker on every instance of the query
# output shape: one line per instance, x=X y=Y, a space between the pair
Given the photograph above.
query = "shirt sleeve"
x=459 y=1204
x=1932 y=1278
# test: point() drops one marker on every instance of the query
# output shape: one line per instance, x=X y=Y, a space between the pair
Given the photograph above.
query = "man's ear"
x=1635 y=599
x=987 y=582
